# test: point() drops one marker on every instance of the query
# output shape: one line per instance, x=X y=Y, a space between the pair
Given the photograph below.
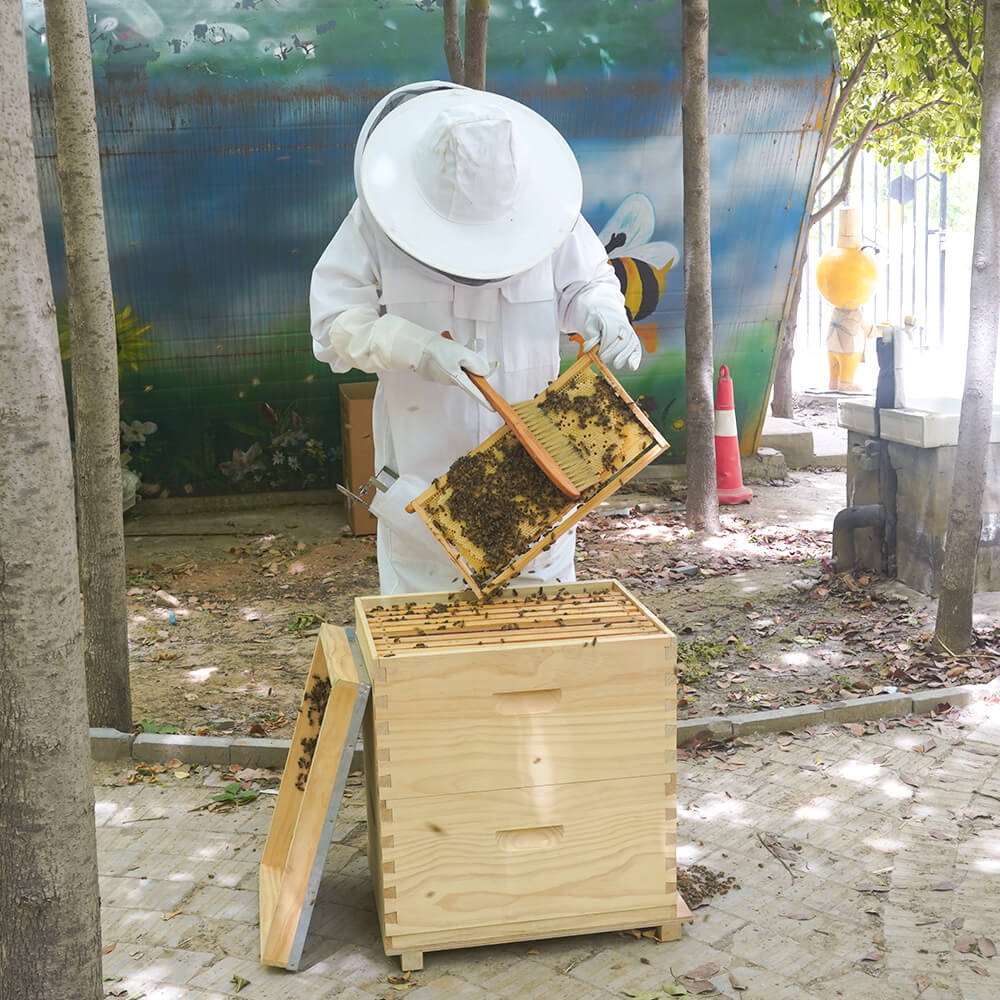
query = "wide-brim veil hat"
x=470 y=183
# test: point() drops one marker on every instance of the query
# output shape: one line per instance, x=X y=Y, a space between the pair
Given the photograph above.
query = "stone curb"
x=879 y=706
x=110 y=744
x=159 y=748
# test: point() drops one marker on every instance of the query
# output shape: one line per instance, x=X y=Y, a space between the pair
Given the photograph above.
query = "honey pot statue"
x=847 y=277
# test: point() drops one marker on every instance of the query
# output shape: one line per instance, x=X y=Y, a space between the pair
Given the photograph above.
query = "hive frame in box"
x=413 y=786
x=573 y=510
x=304 y=818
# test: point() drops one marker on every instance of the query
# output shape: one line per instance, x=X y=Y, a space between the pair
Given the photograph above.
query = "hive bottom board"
x=411 y=947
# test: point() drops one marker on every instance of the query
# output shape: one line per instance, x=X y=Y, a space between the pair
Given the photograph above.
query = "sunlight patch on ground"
x=104 y=810
x=896 y=789
x=856 y=770
x=200 y=674
x=815 y=809
x=712 y=809
x=688 y=854
x=886 y=845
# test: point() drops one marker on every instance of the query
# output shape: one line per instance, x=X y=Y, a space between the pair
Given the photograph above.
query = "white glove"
x=428 y=353
x=619 y=344
x=446 y=362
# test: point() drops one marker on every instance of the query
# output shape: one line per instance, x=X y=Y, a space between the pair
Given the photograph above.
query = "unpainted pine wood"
x=299 y=818
x=531 y=930
x=453 y=866
x=450 y=685
x=576 y=636
x=411 y=961
x=287 y=806
x=524 y=750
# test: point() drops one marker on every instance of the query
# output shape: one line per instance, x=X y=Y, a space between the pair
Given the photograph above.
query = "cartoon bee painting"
x=641 y=266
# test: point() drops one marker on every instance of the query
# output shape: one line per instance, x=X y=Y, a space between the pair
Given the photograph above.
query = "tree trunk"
x=702 y=497
x=477 y=19
x=781 y=398
x=953 y=629
x=453 y=43
x=49 y=931
x=94 y=368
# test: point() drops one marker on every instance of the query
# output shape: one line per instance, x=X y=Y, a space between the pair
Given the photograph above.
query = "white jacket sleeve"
x=585 y=281
x=348 y=330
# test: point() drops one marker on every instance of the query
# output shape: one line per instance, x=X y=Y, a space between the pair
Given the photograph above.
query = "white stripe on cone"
x=725 y=423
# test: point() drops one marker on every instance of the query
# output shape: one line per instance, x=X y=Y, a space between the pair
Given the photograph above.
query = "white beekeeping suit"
x=468 y=221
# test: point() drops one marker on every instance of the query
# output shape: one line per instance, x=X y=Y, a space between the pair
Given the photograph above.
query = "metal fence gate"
x=904 y=216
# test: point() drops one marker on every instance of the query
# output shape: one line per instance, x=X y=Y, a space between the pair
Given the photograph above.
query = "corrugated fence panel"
x=227 y=147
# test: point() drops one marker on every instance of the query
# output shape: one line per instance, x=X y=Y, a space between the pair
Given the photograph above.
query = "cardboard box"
x=358 y=449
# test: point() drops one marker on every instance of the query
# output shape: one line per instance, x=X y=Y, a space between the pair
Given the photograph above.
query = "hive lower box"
x=520 y=758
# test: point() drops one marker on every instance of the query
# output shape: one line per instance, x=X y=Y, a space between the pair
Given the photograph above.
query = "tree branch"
x=956 y=50
x=850 y=83
x=843 y=156
x=845 y=185
x=452 y=42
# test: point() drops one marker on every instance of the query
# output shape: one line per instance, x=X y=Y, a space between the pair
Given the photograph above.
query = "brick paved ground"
x=892 y=840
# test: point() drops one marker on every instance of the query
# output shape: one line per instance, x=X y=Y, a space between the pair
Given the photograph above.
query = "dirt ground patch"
x=224 y=608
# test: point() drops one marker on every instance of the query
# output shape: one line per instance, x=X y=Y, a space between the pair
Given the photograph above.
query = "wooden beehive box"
x=493 y=511
x=520 y=758
x=312 y=784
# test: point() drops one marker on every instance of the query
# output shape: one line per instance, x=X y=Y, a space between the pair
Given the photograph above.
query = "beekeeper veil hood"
x=469 y=183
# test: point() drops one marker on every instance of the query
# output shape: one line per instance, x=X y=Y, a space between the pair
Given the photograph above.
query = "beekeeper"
x=467 y=220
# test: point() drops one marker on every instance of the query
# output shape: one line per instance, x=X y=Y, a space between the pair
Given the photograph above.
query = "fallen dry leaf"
x=947 y=886
x=799 y=916
x=957 y=924
x=873 y=956
x=986 y=947
x=908 y=779
x=736 y=982
x=922 y=983
x=705 y=971
x=170 y=916
x=979 y=970
x=108 y=948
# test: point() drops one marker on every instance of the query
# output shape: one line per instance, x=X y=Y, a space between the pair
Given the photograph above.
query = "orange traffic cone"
x=728 y=473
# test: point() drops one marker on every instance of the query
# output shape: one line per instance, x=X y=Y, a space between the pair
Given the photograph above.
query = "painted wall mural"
x=227 y=136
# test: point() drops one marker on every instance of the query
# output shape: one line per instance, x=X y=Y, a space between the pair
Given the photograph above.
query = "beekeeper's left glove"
x=619 y=346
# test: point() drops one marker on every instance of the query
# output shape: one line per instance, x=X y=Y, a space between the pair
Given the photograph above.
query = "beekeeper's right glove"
x=429 y=354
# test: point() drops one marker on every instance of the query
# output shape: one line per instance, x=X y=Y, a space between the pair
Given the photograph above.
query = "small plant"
x=289 y=457
x=695 y=658
x=303 y=622
x=147 y=726
x=234 y=794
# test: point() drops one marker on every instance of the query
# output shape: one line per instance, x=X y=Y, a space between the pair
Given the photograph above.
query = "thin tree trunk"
x=702 y=498
x=953 y=629
x=94 y=368
x=453 y=42
x=49 y=930
x=477 y=19
x=781 y=397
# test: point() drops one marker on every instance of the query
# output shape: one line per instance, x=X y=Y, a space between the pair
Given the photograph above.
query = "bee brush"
x=519 y=419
